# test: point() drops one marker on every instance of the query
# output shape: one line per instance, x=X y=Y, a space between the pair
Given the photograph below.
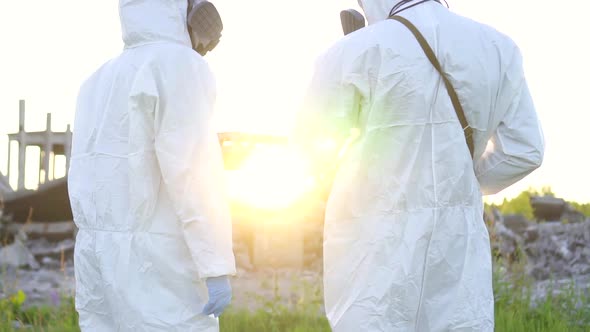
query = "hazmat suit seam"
x=424 y=271
x=433 y=141
x=130 y=232
x=491 y=168
x=155 y=42
x=82 y=156
x=393 y=213
x=408 y=124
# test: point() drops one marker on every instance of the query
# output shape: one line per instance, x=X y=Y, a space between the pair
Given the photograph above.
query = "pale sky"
x=265 y=60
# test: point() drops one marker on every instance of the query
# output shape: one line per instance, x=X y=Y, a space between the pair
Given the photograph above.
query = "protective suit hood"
x=150 y=21
x=377 y=10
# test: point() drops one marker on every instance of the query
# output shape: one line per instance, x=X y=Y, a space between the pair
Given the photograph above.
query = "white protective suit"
x=406 y=247
x=146 y=183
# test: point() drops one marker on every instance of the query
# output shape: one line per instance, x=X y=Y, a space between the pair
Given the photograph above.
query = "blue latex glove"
x=219 y=295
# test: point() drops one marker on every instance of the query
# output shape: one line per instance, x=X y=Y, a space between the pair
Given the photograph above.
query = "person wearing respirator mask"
x=154 y=247
x=405 y=246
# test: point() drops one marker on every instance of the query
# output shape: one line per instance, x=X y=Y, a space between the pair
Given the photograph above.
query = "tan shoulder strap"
x=467 y=130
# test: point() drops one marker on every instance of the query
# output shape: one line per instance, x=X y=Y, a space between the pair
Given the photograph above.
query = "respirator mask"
x=351 y=21
x=204 y=25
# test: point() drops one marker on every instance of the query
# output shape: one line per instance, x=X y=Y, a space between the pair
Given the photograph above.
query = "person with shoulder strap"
x=441 y=114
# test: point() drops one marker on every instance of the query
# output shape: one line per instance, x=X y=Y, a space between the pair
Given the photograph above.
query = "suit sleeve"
x=329 y=112
x=517 y=143
x=191 y=163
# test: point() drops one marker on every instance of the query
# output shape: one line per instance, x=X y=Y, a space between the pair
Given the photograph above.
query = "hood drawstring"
x=396 y=9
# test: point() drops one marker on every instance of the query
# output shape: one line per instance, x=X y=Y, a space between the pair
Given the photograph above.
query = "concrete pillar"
x=53 y=167
x=68 y=148
x=21 y=115
x=8 y=166
x=22 y=146
x=47 y=148
x=39 y=177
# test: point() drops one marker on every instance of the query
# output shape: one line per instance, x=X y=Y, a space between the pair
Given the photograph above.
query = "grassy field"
x=564 y=312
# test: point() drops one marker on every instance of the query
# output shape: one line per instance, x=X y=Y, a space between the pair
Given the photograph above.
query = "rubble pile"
x=550 y=250
x=37 y=258
x=561 y=251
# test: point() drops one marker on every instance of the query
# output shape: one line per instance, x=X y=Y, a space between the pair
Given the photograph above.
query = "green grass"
x=514 y=313
x=554 y=314
x=47 y=319
x=562 y=309
x=263 y=321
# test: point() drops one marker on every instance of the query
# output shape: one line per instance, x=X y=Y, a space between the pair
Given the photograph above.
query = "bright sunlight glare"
x=273 y=177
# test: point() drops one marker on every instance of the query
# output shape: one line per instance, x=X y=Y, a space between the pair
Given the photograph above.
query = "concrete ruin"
x=50 y=143
x=50 y=201
x=548 y=208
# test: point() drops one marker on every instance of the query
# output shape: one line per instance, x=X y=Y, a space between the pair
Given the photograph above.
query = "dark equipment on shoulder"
x=204 y=26
x=351 y=20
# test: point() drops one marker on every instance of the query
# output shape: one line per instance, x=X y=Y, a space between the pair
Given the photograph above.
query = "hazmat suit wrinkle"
x=405 y=246
x=146 y=181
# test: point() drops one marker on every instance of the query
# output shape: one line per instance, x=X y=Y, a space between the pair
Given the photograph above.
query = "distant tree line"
x=521 y=204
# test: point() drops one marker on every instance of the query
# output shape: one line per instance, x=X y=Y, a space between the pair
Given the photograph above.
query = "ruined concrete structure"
x=48 y=141
x=548 y=208
x=50 y=202
x=4 y=185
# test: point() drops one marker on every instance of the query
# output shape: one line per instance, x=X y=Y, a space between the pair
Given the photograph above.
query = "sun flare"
x=272 y=177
